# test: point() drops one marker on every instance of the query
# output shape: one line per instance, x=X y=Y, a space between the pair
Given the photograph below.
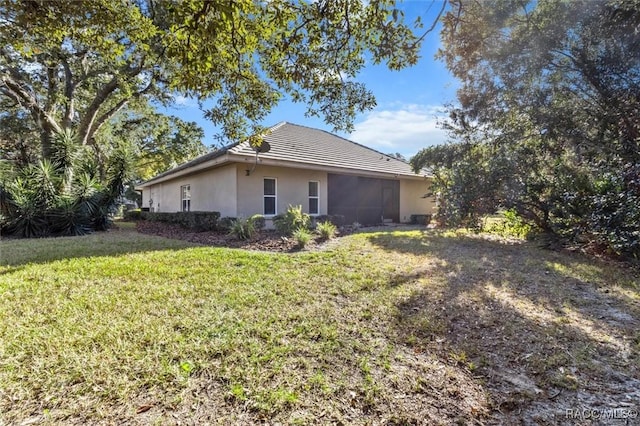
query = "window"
x=269 y=196
x=314 y=200
x=185 y=192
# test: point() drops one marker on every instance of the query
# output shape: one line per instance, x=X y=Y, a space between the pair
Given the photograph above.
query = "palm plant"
x=62 y=196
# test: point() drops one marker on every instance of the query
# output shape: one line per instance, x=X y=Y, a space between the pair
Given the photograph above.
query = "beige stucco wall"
x=216 y=189
x=146 y=196
x=212 y=190
x=411 y=201
x=292 y=187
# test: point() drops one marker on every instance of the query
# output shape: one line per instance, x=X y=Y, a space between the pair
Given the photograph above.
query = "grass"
x=397 y=327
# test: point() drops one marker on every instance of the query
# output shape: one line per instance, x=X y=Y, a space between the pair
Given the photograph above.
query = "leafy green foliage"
x=18 y=135
x=547 y=121
x=133 y=215
x=326 y=230
x=243 y=229
x=510 y=225
x=302 y=237
x=83 y=77
x=258 y=221
x=461 y=181
x=337 y=219
x=158 y=142
x=292 y=220
x=51 y=198
x=225 y=224
x=198 y=221
x=67 y=218
x=420 y=219
x=78 y=66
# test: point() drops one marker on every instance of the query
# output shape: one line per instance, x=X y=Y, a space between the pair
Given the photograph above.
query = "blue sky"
x=409 y=102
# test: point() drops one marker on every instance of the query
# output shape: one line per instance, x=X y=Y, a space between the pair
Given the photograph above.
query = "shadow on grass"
x=548 y=331
x=14 y=253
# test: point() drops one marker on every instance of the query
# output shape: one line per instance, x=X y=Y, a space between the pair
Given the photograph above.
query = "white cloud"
x=405 y=129
x=181 y=100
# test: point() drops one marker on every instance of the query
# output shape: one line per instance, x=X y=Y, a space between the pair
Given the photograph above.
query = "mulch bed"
x=264 y=240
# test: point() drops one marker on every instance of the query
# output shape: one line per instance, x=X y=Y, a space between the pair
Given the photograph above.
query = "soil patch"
x=264 y=240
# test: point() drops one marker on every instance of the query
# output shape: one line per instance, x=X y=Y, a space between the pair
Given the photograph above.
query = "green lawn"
x=397 y=327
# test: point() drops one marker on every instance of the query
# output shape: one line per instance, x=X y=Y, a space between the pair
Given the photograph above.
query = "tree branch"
x=15 y=91
x=87 y=128
x=435 y=22
x=69 y=89
x=99 y=121
x=51 y=88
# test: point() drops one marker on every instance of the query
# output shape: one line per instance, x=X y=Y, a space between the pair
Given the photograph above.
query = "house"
x=294 y=165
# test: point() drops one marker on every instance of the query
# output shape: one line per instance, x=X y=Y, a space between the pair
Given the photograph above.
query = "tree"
x=75 y=65
x=17 y=136
x=159 y=142
x=86 y=72
x=549 y=91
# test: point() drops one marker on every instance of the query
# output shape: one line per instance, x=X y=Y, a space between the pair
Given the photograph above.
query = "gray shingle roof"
x=311 y=147
x=301 y=144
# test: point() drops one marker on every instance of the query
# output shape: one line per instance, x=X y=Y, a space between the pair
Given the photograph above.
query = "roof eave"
x=215 y=162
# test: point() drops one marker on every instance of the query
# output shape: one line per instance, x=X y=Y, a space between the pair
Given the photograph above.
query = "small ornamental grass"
x=242 y=229
x=326 y=230
x=245 y=229
x=302 y=237
x=291 y=221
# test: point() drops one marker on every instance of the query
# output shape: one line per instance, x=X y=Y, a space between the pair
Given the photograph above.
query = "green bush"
x=337 y=219
x=302 y=237
x=133 y=215
x=511 y=225
x=61 y=195
x=420 y=219
x=203 y=221
x=326 y=230
x=197 y=221
x=243 y=229
x=292 y=220
x=226 y=223
x=159 y=217
x=66 y=218
x=258 y=221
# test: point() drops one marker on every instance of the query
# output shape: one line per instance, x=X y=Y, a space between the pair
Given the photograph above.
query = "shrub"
x=66 y=218
x=243 y=229
x=4 y=222
x=202 y=221
x=101 y=219
x=258 y=221
x=62 y=196
x=512 y=225
x=197 y=221
x=158 y=217
x=337 y=219
x=292 y=220
x=326 y=230
x=226 y=223
x=133 y=215
x=302 y=237
x=420 y=219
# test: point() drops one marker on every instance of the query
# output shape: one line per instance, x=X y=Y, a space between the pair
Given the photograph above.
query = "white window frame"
x=184 y=198
x=315 y=197
x=274 y=196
